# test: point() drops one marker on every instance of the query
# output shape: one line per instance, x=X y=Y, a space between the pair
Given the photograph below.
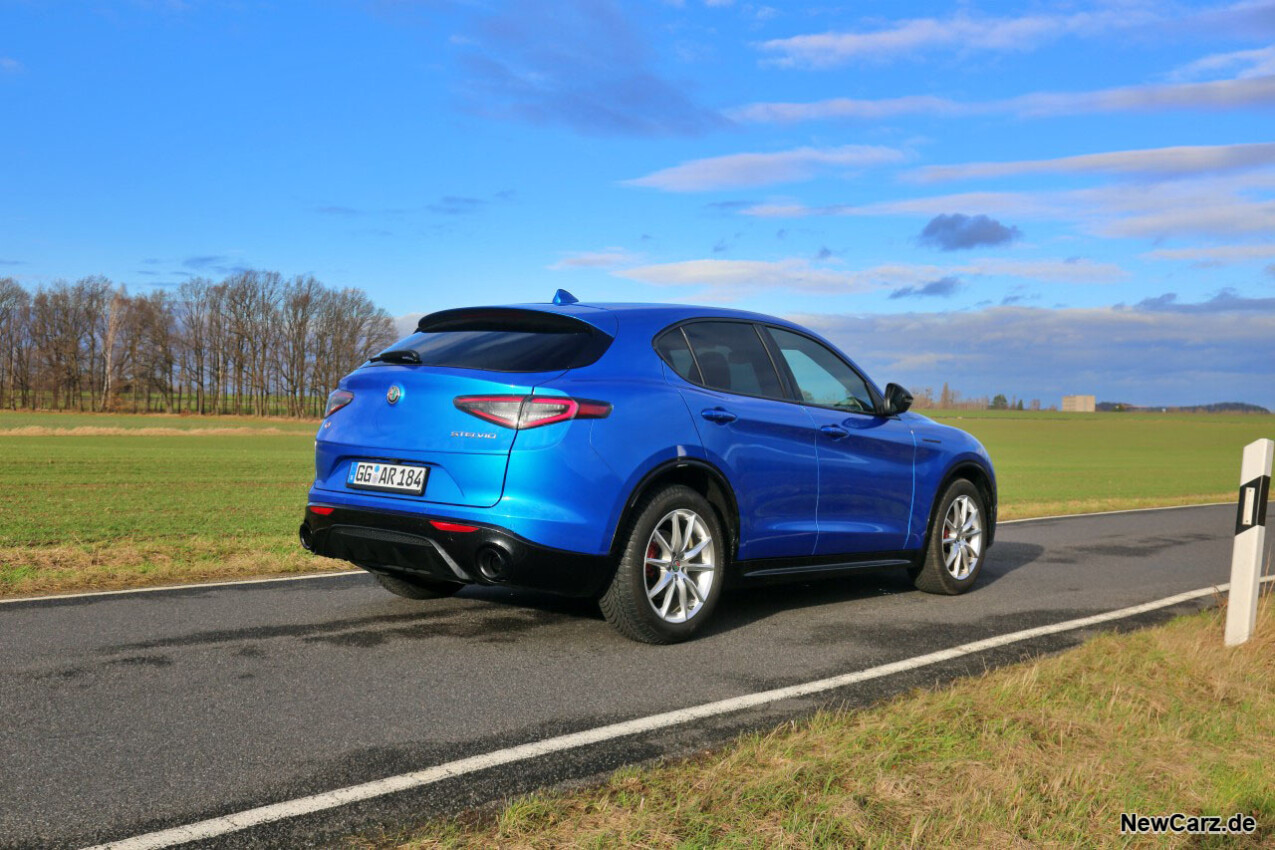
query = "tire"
x=671 y=568
x=958 y=532
x=418 y=588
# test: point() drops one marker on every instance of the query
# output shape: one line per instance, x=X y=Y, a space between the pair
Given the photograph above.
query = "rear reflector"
x=321 y=511
x=521 y=412
x=452 y=526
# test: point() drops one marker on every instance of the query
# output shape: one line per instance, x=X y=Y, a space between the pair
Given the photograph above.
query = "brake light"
x=320 y=510
x=337 y=400
x=531 y=411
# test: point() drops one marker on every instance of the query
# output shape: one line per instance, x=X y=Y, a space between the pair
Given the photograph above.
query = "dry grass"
x=104 y=431
x=32 y=571
x=1045 y=753
x=1064 y=507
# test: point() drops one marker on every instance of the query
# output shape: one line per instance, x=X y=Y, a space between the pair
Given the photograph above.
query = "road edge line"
x=55 y=597
x=214 y=827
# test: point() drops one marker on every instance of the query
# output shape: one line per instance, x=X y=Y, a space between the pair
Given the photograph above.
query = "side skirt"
x=776 y=570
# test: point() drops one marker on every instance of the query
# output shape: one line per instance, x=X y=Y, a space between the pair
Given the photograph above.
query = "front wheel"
x=670 y=573
x=957 y=543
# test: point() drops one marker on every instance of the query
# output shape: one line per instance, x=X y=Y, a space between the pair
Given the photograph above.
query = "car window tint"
x=822 y=377
x=732 y=357
x=673 y=348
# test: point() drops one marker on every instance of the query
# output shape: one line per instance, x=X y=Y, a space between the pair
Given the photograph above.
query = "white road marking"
x=214 y=827
x=195 y=586
x=170 y=587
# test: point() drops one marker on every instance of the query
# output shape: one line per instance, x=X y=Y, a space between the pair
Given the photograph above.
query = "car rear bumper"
x=412 y=545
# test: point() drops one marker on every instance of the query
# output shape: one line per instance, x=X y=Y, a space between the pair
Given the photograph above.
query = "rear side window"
x=500 y=340
x=676 y=353
x=731 y=357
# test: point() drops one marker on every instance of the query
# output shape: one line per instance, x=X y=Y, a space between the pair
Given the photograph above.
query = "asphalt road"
x=127 y=714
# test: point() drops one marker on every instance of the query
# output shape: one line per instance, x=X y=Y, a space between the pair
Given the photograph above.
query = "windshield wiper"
x=398 y=355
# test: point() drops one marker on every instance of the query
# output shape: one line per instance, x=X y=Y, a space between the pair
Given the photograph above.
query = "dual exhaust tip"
x=492 y=561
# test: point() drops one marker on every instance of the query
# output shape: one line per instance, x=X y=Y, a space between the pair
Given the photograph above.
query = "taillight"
x=337 y=400
x=530 y=411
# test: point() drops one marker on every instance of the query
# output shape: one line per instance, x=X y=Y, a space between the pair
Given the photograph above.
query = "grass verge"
x=1043 y=753
x=104 y=501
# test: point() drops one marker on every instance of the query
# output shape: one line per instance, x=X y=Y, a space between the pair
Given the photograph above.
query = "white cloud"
x=743 y=170
x=9 y=65
x=1218 y=94
x=967 y=32
x=1242 y=64
x=727 y=280
x=1215 y=255
x=1160 y=352
x=1222 y=206
x=961 y=31
x=1030 y=204
x=603 y=259
x=405 y=325
x=844 y=107
x=1174 y=161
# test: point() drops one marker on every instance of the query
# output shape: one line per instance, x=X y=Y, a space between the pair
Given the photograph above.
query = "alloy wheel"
x=680 y=566
x=962 y=537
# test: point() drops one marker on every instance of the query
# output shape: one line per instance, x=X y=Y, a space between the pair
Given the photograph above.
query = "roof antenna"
x=563 y=298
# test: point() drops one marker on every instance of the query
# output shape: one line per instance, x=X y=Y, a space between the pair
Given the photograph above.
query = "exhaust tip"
x=307 y=539
x=492 y=562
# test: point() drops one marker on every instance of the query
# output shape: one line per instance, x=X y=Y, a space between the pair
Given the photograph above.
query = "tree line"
x=254 y=343
x=950 y=399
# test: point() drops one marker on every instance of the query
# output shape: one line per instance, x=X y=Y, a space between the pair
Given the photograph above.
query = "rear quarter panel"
x=574 y=496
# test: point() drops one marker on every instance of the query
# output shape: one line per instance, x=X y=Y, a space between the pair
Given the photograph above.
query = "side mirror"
x=897 y=400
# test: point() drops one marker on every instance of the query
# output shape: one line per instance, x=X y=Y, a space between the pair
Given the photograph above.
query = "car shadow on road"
x=743 y=606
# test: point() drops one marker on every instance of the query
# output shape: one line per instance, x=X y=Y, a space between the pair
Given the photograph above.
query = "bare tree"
x=252 y=343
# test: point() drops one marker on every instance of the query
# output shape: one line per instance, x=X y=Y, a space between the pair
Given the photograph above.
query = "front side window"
x=732 y=357
x=823 y=378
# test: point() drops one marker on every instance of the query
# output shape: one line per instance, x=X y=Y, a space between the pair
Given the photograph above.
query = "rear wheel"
x=417 y=588
x=670 y=573
x=957 y=542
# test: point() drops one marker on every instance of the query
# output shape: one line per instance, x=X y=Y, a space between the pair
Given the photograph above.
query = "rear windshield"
x=502 y=341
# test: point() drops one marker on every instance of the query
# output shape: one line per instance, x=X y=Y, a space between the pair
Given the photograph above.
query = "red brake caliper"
x=651 y=572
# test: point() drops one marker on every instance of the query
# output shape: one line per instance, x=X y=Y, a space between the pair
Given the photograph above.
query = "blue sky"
x=1028 y=198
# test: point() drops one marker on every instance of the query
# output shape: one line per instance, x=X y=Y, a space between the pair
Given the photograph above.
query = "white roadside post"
x=1250 y=541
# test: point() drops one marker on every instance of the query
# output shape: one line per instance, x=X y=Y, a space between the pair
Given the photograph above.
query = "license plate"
x=390 y=477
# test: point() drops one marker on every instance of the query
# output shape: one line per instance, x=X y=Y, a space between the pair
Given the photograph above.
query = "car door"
x=866 y=460
x=761 y=442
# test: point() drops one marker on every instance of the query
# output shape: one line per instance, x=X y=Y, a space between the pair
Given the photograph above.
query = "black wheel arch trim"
x=731 y=521
x=953 y=473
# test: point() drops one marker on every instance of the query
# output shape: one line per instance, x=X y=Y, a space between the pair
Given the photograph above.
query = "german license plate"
x=390 y=477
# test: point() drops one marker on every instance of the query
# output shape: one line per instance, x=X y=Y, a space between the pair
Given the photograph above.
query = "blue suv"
x=642 y=454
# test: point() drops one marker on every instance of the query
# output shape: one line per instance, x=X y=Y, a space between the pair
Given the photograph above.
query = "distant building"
x=1079 y=404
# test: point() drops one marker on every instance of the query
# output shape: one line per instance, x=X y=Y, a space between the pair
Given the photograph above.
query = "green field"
x=154 y=499
x=1054 y=463
x=106 y=501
